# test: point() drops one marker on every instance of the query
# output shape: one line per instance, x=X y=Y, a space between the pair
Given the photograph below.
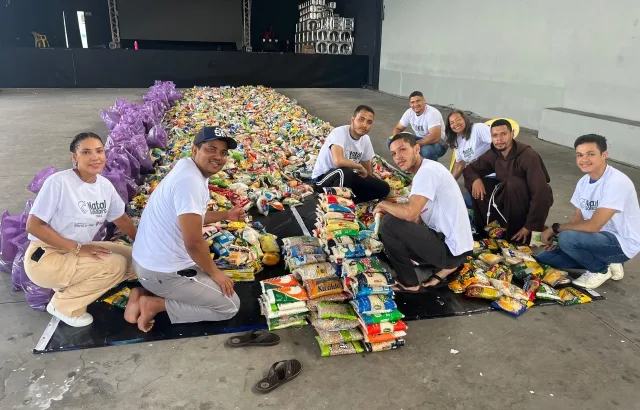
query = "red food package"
x=387 y=327
x=531 y=285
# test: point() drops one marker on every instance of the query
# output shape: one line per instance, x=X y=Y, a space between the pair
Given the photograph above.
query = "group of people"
x=506 y=181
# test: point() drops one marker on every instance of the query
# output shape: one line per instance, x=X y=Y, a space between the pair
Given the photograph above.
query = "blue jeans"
x=584 y=250
x=432 y=151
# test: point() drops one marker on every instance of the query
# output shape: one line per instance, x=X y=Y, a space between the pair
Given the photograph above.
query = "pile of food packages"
x=511 y=278
x=336 y=282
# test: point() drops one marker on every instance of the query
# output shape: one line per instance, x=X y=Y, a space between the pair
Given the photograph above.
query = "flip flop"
x=279 y=373
x=441 y=282
x=254 y=338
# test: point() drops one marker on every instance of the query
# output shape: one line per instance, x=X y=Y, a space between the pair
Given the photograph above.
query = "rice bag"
x=546 y=292
x=507 y=289
x=524 y=269
x=510 y=305
x=336 y=200
x=339 y=349
x=331 y=310
x=338 y=216
x=251 y=236
x=297 y=261
x=269 y=244
x=315 y=271
x=322 y=287
x=119 y=299
x=300 y=240
x=531 y=286
x=499 y=271
x=373 y=245
x=301 y=250
x=359 y=292
x=377 y=318
x=332 y=325
x=572 y=296
x=385 y=327
x=349 y=251
x=345 y=240
x=353 y=267
x=312 y=304
x=490 y=258
x=373 y=304
x=335 y=225
x=338 y=191
x=482 y=292
x=342 y=232
x=278 y=323
x=341 y=336
x=289 y=295
x=372 y=280
x=337 y=208
x=279 y=282
x=384 y=337
x=382 y=347
x=554 y=277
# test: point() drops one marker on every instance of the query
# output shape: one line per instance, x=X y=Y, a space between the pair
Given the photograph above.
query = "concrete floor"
x=555 y=357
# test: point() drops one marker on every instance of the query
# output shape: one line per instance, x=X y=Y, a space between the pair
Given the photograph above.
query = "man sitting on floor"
x=605 y=229
x=519 y=197
x=345 y=159
x=433 y=228
x=170 y=256
x=427 y=124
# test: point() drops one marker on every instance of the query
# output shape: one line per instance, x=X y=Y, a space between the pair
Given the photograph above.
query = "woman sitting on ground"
x=67 y=214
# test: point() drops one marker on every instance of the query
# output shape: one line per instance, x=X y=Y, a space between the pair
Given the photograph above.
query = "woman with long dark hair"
x=67 y=214
x=469 y=140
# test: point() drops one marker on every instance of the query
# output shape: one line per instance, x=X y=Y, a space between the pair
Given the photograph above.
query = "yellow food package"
x=269 y=244
x=456 y=286
x=119 y=299
x=271 y=259
x=490 y=258
x=234 y=226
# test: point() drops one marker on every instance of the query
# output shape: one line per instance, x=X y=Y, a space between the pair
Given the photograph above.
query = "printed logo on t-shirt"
x=83 y=225
x=467 y=152
x=588 y=205
x=417 y=128
x=355 y=156
x=94 y=208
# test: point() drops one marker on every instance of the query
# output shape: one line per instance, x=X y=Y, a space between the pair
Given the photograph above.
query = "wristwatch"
x=555 y=228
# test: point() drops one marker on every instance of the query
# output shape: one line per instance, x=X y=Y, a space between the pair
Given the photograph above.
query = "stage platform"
x=103 y=68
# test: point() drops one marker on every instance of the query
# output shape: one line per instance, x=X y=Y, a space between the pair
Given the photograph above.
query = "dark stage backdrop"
x=217 y=21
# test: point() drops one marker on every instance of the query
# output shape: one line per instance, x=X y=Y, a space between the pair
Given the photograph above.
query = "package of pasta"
x=332 y=310
x=476 y=277
x=337 y=191
x=490 y=258
x=384 y=327
x=297 y=261
x=456 y=286
x=315 y=271
x=510 y=305
x=341 y=336
x=373 y=304
x=301 y=250
x=312 y=304
x=300 y=240
x=353 y=267
x=119 y=299
x=384 y=337
x=524 y=269
x=340 y=348
x=279 y=282
x=572 y=296
x=500 y=271
x=378 y=318
x=554 y=277
x=546 y=292
x=531 y=286
x=332 y=325
x=269 y=244
x=338 y=216
x=508 y=289
x=482 y=292
x=383 y=347
x=322 y=287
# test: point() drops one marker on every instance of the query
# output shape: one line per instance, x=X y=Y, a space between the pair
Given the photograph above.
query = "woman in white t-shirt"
x=469 y=140
x=67 y=214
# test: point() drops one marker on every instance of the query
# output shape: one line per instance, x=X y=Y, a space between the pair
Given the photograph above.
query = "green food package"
x=329 y=310
x=339 y=349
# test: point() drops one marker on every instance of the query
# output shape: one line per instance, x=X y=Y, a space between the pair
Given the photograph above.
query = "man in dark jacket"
x=519 y=197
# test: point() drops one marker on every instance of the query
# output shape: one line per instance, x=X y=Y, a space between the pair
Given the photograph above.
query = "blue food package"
x=224 y=237
x=511 y=305
x=350 y=251
x=302 y=250
x=339 y=208
x=373 y=304
x=220 y=250
x=372 y=280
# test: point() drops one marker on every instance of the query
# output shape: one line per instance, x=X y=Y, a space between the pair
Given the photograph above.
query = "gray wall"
x=512 y=58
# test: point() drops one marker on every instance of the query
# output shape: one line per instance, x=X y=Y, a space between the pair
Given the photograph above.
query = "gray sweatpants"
x=188 y=300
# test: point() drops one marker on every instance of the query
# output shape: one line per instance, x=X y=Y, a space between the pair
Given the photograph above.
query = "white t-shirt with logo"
x=354 y=150
x=478 y=143
x=75 y=209
x=421 y=124
x=614 y=190
x=445 y=210
x=159 y=245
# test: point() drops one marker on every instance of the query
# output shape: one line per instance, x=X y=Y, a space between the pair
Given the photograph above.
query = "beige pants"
x=77 y=280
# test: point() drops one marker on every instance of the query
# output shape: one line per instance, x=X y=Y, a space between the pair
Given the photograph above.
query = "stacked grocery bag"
x=283 y=302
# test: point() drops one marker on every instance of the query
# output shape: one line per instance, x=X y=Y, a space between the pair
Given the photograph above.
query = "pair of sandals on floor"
x=440 y=282
x=280 y=372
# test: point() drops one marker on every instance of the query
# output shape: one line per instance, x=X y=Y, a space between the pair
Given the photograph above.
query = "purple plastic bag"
x=117 y=178
x=157 y=137
x=17 y=272
x=110 y=118
x=11 y=227
x=5 y=232
x=37 y=297
x=39 y=178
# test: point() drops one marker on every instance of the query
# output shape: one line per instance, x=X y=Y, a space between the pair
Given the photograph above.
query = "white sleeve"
x=425 y=184
x=458 y=153
x=575 y=199
x=116 y=204
x=614 y=194
x=483 y=133
x=404 y=121
x=186 y=196
x=336 y=137
x=47 y=201
x=368 y=153
x=434 y=118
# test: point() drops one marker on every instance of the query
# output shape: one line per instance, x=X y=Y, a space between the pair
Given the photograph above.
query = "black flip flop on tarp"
x=441 y=282
x=254 y=338
x=279 y=373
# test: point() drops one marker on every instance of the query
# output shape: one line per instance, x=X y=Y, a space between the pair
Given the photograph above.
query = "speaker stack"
x=321 y=31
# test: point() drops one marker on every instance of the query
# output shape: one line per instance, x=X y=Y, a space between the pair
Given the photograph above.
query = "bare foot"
x=398 y=287
x=150 y=306
x=132 y=311
x=442 y=275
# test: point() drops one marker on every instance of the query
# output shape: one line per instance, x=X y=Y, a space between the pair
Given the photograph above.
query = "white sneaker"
x=617 y=271
x=591 y=280
x=83 y=320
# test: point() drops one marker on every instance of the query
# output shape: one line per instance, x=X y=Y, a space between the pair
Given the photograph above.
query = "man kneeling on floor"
x=433 y=228
x=345 y=159
x=519 y=196
x=170 y=256
x=605 y=229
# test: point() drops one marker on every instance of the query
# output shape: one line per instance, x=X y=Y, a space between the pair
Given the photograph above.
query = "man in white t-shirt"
x=433 y=228
x=345 y=159
x=605 y=229
x=170 y=256
x=427 y=124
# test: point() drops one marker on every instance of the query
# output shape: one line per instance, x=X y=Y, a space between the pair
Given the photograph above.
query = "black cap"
x=214 y=133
